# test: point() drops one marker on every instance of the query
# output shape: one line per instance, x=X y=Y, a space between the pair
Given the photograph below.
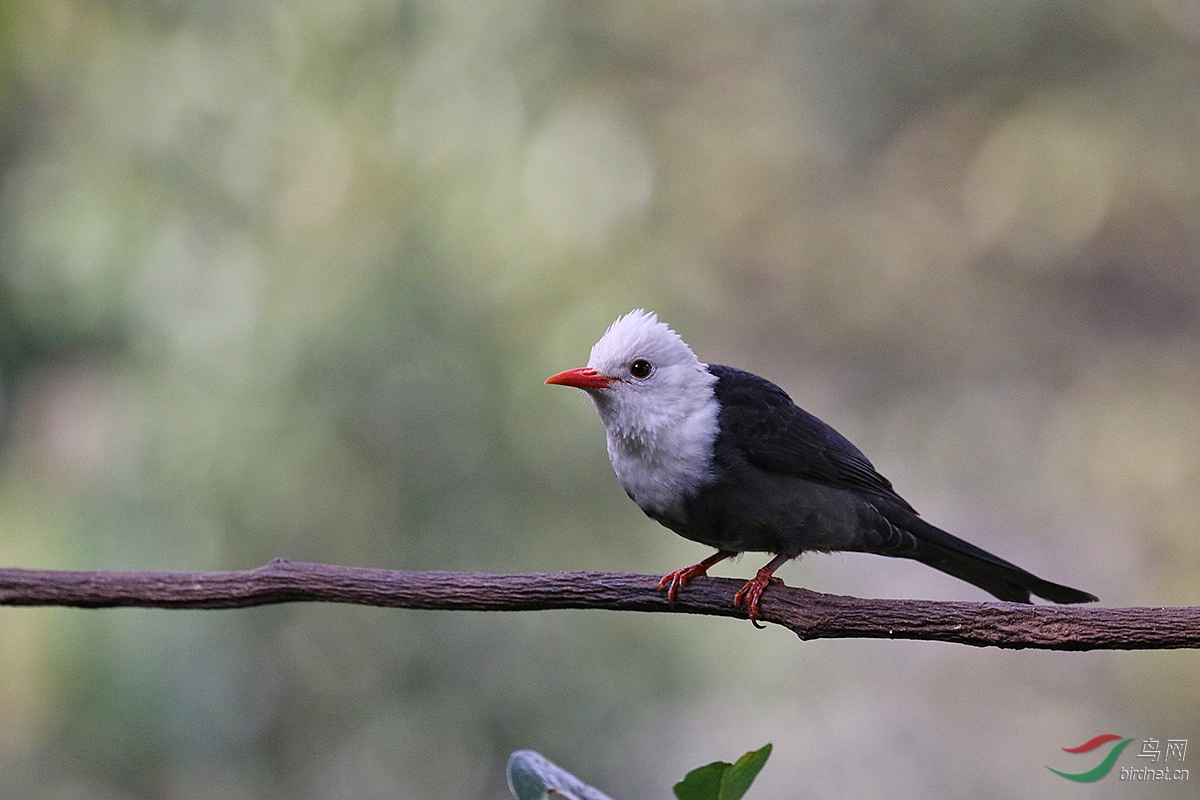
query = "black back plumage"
x=778 y=436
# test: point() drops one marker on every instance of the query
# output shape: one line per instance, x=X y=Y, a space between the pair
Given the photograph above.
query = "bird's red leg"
x=751 y=593
x=679 y=578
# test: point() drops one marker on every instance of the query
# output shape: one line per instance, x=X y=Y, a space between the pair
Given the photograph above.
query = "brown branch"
x=810 y=615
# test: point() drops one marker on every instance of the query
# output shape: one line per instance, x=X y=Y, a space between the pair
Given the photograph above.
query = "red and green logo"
x=1104 y=767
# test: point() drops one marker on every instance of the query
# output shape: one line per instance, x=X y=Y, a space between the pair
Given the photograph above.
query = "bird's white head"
x=657 y=404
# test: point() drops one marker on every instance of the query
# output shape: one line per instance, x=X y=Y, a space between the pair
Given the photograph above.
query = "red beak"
x=582 y=378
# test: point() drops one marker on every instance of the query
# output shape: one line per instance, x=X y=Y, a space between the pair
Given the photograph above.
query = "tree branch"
x=810 y=615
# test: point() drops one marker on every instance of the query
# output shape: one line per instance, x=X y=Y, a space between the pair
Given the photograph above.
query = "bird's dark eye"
x=640 y=368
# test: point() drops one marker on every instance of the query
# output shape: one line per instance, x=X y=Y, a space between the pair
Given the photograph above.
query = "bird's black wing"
x=772 y=432
x=761 y=424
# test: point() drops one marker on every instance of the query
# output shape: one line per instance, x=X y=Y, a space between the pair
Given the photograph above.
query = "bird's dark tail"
x=994 y=575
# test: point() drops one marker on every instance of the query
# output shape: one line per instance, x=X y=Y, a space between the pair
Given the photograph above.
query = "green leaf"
x=739 y=777
x=702 y=783
x=721 y=780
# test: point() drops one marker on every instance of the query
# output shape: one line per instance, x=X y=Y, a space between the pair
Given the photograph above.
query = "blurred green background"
x=284 y=279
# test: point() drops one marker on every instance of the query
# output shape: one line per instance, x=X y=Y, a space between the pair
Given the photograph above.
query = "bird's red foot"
x=676 y=580
x=751 y=593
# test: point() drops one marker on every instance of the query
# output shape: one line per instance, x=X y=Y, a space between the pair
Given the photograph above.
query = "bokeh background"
x=284 y=279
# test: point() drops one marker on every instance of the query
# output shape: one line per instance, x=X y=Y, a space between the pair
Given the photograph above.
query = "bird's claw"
x=751 y=593
x=680 y=577
x=676 y=580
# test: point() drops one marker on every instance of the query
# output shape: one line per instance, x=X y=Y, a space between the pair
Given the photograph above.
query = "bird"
x=724 y=457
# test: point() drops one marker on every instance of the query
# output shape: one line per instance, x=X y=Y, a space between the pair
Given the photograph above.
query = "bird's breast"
x=661 y=446
x=660 y=478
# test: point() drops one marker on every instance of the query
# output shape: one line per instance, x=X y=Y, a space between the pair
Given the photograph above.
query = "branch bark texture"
x=810 y=615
